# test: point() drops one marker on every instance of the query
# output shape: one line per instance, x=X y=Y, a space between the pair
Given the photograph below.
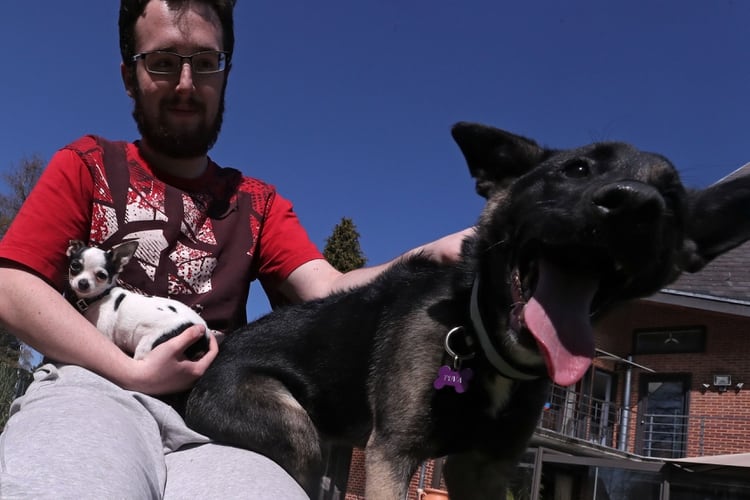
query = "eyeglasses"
x=162 y=62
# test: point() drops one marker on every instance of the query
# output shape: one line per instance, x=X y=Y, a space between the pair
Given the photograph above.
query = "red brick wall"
x=725 y=430
x=355 y=489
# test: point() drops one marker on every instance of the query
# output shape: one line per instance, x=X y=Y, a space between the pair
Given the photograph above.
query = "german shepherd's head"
x=579 y=230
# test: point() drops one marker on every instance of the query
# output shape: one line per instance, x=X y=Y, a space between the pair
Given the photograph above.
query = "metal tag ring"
x=457 y=358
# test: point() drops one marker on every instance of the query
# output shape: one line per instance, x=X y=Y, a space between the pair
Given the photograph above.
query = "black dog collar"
x=83 y=304
x=492 y=354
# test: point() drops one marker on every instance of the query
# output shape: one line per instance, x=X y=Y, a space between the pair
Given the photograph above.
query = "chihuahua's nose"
x=83 y=285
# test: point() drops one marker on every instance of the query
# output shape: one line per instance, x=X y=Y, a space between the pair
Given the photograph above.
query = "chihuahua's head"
x=92 y=271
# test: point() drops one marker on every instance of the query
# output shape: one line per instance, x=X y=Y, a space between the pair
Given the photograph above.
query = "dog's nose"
x=83 y=285
x=632 y=199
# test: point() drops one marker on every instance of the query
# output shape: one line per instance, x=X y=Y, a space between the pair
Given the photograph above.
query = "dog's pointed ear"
x=74 y=246
x=718 y=220
x=123 y=252
x=495 y=157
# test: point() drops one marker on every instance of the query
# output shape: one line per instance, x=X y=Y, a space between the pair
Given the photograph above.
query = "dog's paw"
x=142 y=349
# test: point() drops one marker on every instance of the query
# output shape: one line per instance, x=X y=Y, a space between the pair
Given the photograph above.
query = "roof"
x=743 y=170
x=725 y=280
x=729 y=465
x=732 y=460
x=726 y=277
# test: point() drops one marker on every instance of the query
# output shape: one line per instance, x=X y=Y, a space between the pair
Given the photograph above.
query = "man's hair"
x=131 y=10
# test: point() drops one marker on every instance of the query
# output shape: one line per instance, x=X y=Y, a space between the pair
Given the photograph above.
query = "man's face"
x=178 y=115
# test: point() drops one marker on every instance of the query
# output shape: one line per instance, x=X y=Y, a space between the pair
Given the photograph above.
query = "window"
x=670 y=340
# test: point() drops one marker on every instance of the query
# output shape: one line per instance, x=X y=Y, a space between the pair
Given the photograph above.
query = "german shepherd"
x=431 y=360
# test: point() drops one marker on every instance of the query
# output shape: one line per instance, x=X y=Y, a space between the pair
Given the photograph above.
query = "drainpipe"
x=622 y=444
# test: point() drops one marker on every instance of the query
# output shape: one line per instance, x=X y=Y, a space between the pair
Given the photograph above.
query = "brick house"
x=664 y=412
x=670 y=382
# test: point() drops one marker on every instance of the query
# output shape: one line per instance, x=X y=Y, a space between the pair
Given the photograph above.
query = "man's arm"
x=41 y=317
x=317 y=278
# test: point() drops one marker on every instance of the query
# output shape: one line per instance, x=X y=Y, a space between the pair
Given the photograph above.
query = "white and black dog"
x=135 y=323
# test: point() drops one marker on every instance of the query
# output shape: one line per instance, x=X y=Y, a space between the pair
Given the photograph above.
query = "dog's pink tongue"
x=558 y=317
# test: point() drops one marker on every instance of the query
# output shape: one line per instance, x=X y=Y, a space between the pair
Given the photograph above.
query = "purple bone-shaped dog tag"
x=459 y=380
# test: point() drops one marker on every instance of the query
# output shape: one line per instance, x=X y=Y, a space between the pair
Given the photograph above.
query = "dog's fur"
x=564 y=234
x=135 y=323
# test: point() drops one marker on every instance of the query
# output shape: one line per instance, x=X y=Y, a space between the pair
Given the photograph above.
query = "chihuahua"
x=136 y=323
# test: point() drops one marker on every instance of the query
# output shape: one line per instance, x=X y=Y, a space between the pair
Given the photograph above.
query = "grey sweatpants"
x=76 y=435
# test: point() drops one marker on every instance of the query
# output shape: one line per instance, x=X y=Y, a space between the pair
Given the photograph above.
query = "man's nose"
x=185 y=83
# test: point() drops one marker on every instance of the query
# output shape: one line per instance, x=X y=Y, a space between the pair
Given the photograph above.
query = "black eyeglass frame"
x=223 y=60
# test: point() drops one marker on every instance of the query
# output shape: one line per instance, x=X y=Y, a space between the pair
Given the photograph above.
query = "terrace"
x=603 y=424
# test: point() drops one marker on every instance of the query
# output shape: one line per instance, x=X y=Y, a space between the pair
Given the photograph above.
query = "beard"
x=164 y=139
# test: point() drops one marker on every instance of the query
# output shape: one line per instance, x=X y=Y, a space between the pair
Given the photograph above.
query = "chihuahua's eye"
x=102 y=276
x=76 y=267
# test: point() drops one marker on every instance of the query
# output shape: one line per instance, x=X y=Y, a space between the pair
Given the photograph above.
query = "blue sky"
x=346 y=106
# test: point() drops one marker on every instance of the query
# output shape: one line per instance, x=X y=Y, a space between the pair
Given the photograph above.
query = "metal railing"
x=678 y=436
x=576 y=415
x=664 y=436
x=580 y=416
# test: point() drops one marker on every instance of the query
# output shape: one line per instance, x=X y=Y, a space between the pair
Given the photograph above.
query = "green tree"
x=14 y=360
x=342 y=248
x=18 y=180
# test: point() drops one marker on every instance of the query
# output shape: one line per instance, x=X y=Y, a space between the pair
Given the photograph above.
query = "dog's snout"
x=632 y=199
x=83 y=285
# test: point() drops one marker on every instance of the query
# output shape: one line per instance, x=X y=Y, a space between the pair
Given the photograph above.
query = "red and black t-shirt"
x=201 y=241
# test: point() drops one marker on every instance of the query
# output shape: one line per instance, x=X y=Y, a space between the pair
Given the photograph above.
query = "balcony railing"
x=580 y=416
x=576 y=415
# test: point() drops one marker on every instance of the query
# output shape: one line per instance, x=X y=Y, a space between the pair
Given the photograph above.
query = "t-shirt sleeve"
x=56 y=211
x=284 y=244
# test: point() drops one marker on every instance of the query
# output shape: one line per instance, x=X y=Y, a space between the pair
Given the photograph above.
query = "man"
x=90 y=425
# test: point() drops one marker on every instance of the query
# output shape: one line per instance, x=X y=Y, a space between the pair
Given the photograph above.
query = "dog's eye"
x=674 y=198
x=576 y=169
x=101 y=276
x=75 y=267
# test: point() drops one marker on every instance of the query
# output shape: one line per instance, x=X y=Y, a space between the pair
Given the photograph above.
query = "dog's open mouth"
x=557 y=314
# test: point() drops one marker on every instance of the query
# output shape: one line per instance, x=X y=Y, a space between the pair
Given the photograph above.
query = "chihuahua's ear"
x=122 y=253
x=74 y=246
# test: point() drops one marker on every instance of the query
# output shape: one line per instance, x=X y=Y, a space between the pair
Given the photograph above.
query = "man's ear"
x=128 y=79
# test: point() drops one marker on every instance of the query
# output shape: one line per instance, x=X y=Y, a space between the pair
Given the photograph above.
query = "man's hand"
x=447 y=249
x=317 y=278
x=167 y=370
